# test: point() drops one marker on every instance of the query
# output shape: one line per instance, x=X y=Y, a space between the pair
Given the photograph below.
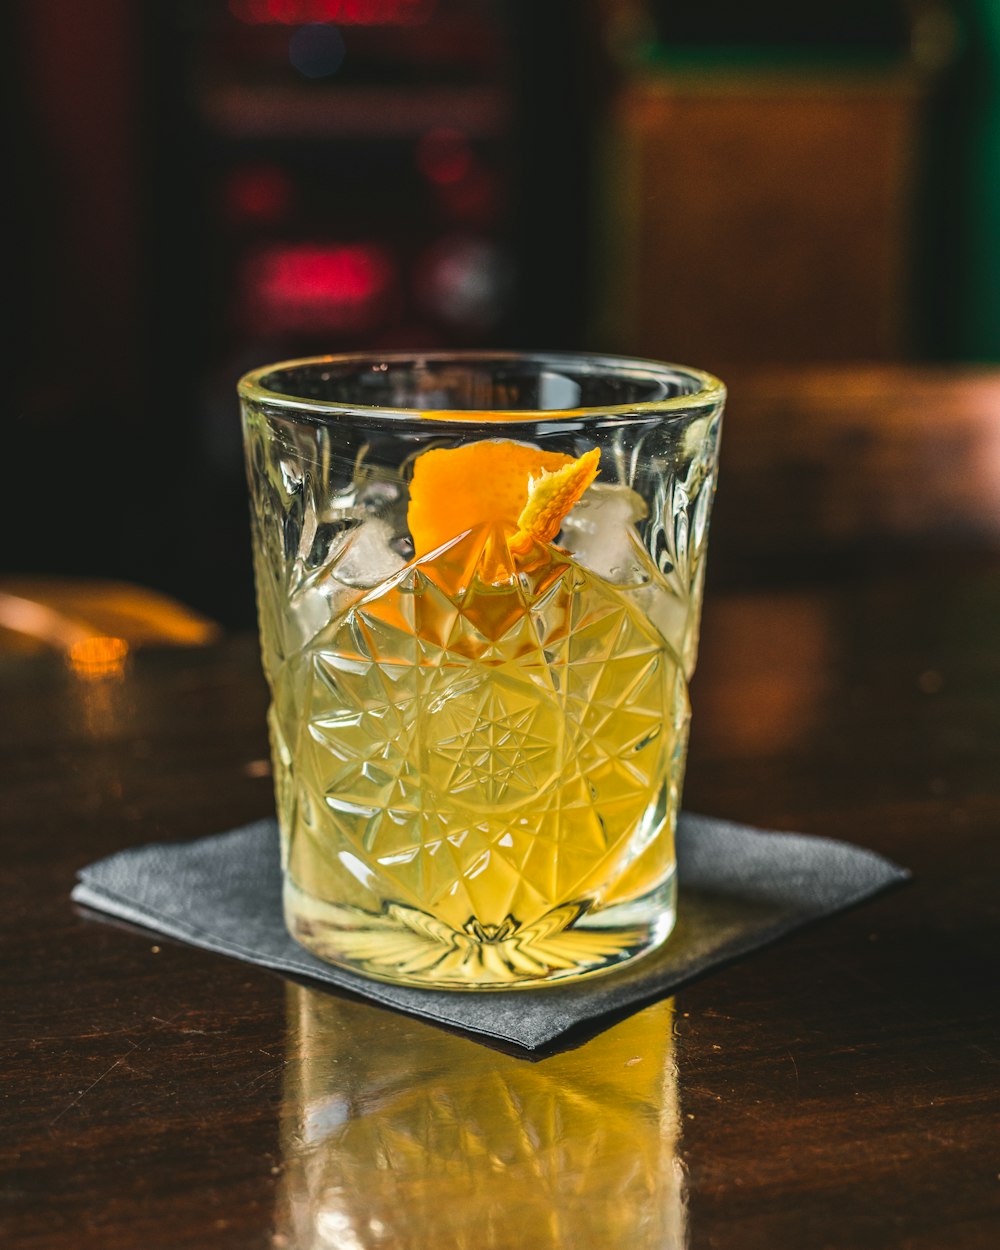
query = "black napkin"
x=739 y=889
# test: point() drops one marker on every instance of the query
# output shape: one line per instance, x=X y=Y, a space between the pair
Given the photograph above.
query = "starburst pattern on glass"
x=478 y=751
x=475 y=772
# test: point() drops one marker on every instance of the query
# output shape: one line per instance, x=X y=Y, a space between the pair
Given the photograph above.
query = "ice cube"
x=600 y=533
x=358 y=560
x=371 y=556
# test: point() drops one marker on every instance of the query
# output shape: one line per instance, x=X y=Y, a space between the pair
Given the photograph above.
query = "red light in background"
x=343 y=12
x=259 y=193
x=445 y=155
x=320 y=286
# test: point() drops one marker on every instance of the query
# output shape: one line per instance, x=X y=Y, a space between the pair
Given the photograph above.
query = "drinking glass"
x=479 y=581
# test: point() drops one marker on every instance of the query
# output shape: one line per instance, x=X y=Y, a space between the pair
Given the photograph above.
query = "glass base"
x=406 y=946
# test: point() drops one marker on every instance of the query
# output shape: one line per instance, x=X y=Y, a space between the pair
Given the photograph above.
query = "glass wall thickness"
x=479 y=747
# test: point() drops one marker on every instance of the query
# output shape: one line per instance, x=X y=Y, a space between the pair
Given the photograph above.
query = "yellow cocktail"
x=479 y=756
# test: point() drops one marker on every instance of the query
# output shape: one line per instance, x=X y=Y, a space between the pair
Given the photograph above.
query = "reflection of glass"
x=399 y=1135
x=478 y=654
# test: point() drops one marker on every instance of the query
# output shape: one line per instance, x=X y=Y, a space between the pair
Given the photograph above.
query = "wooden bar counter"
x=840 y=1088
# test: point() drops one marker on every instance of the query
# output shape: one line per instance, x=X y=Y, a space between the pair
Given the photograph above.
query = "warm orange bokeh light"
x=96 y=657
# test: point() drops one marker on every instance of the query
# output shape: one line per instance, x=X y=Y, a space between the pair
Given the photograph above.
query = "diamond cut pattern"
x=330 y=545
x=493 y=750
x=487 y=754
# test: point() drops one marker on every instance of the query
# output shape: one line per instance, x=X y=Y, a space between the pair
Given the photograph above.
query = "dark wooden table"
x=840 y=1088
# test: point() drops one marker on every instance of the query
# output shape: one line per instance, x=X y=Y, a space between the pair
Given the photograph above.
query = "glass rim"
x=710 y=390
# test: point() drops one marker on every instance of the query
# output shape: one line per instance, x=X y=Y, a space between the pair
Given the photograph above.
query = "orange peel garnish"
x=495 y=482
x=550 y=497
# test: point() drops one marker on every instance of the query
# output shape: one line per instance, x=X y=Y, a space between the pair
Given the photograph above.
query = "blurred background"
x=203 y=186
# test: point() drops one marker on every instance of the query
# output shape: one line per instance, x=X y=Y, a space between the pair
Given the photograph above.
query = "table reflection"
x=399 y=1134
